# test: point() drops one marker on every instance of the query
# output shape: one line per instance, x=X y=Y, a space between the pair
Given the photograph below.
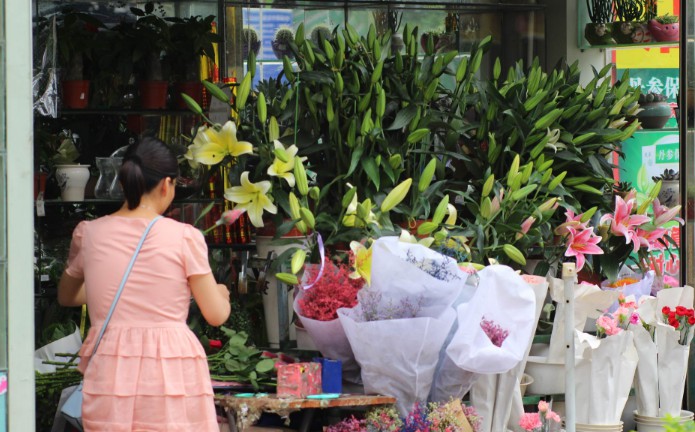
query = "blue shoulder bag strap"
x=125 y=278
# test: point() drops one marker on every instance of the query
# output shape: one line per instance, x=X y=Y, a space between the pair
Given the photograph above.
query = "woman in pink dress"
x=149 y=372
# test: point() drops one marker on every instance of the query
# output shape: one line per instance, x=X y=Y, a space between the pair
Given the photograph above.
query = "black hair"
x=145 y=164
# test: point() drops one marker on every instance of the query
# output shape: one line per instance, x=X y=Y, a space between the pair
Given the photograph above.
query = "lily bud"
x=396 y=195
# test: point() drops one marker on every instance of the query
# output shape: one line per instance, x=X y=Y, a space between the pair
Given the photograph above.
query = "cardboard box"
x=299 y=380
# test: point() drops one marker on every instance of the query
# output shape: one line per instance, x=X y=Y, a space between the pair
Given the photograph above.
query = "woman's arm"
x=71 y=291
x=212 y=298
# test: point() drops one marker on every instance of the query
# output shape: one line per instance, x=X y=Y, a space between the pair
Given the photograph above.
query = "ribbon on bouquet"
x=322 y=254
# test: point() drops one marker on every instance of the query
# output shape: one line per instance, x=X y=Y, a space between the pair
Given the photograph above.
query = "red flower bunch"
x=335 y=289
x=681 y=319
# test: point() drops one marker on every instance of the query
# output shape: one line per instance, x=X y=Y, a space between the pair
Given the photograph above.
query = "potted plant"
x=114 y=81
x=665 y=28
x=153 y=40
x=441 y=41
x=284 y=38
x=669 y=195
x=72 y=177
x=655 y=111
x=250 y=42
x=191 y=38
x=598 y=31
x=76 y=34
x=628 y=13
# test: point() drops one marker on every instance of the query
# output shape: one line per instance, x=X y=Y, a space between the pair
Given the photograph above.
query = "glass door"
x=686 y=117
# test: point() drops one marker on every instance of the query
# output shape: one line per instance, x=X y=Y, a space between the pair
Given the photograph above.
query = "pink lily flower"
x=663 y=214
x=632 y=195
x=525 y=226
x=623 y=221
x=582 y=243
x=571 y=221
x=495 y=204
x=649 y=239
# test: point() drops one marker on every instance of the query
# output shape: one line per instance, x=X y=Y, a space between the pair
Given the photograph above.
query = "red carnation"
x=691 y=320
x=666 y=310
x=671 y=316
x=681 y=311
x=675 y=324
x=690 y=312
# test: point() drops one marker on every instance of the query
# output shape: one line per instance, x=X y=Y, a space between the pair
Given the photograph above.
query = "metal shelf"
x=123 y=112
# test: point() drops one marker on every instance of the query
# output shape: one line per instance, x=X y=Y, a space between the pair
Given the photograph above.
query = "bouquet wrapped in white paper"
x=662 y=339
x=403 y=319
x=497 y=395
x=639 y=289
x=607 y=368
x=589 y=302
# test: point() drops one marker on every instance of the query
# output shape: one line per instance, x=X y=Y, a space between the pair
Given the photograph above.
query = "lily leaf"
x=403 y=117
x=369 y=166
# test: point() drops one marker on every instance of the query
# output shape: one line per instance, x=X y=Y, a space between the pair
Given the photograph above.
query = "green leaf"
x=403 y=117
x=354 y=160
x=370 y=167
x=265 y=365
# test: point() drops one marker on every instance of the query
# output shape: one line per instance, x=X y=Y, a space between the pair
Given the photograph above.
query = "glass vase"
x=106 y=175
x=116 y=191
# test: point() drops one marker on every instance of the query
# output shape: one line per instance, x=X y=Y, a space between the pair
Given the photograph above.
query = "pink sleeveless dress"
x=150 y=372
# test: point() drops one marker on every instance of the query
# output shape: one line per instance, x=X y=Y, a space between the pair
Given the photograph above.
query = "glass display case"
x=517 y=27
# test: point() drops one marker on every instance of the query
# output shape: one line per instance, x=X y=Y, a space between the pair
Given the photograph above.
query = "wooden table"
x=244 y=412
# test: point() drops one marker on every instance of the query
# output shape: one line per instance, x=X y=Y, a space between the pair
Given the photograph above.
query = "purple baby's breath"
x=494 y=331
x=375 y=309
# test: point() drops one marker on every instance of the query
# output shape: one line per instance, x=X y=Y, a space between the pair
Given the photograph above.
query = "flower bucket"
x=264 y=245
x=526 y=380
x=580 y=427
x=656 y=424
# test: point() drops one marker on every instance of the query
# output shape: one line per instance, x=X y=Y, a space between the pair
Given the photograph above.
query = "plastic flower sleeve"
x=497 y=397
x=514 y=376
x=607 y=369
x=506 y=300
x=646 y=378
x=406 y=271
x=330 y=339
x=397 y=356
x=589 y=301
x=639 y=289
x=672 y=368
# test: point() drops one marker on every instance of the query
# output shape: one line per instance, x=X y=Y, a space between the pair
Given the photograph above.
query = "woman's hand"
x=212 y=298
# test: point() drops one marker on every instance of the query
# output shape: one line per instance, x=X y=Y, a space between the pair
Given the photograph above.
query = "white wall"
x=20 y=223
x=561 y=38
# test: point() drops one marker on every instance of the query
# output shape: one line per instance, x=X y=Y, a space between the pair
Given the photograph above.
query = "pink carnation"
x=608 y=325
x=530 y=421
x=543 y=406
x=552 y=415
x=634 y=318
